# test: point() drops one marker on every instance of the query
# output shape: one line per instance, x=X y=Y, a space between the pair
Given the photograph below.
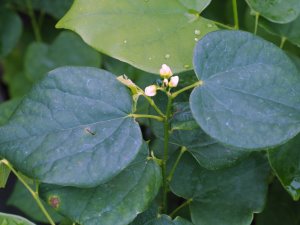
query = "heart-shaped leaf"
x=145 y=34
x=75 y=121
x=285 y=163
x=290 y=31
x=224 y=197
x=10 y=219
x=67 y=49
x=250 y=97
x=116 y=202
x=276 y=11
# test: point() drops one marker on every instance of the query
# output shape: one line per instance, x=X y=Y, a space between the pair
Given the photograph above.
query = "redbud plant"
x=202 y=127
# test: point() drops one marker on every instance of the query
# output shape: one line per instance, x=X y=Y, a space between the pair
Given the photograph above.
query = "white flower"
x=150 y=90
x=173 y=81
x=165 y=71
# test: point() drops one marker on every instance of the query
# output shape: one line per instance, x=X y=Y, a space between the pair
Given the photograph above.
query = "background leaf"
x=224 y=197
x=166 y=220
x=280 y=208
x=290 y=31
x=285 y=163
x=277 y=11
x=67 y=49
x=116 y=202
x=4 y=174
x=251 y=93
x=73 y=122
x=145 y=34
x=9 y=219
x=10 y=30
x=23 y=200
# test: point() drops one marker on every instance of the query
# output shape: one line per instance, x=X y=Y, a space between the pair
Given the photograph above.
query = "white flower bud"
x=166 y=82
x=174 y=81
x=165 y=71
x=150 y=90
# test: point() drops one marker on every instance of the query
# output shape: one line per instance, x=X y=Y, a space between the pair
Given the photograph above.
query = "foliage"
x=186 y=120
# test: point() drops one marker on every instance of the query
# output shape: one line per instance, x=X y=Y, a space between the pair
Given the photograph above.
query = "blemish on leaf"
x=54 y=201
x=89 y=131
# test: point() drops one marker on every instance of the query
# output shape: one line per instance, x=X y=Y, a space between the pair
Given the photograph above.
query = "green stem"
x=172 y=214
x=182 y=150
x=34 y=22
x=165 y=156
x=151 y=102
x=224 y=25
x=283 y=40
x=198 y=83
x=33 y=193
x=159 y=118
x=235 y=14
x=256 y=22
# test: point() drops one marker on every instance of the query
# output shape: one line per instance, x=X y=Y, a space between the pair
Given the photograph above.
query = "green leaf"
x=116 y=202
x=276 y=11
x=186 y=132
x=165 y=31
x=280 y=208
x=224 y=197
x=290 y=31
x=10 y=219
x=4 y=174
x=72 y=125
x=23 y=200
x=250 y=97
x=7 y=108
x=166 y=220
x=67 y=49
x=10 y=30
x=285 y=163
x=198 y=5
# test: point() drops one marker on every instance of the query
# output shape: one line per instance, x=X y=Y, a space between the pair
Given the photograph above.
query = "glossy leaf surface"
x=224 y=197
x=10 y=219
x=251 y=93
x=276 y=11
x=73 y=122
x=285 y=163
x=67 y=49
x=116 y=202
x=145 y=34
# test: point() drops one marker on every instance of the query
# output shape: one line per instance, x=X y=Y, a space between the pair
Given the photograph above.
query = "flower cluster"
x=169 y=81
